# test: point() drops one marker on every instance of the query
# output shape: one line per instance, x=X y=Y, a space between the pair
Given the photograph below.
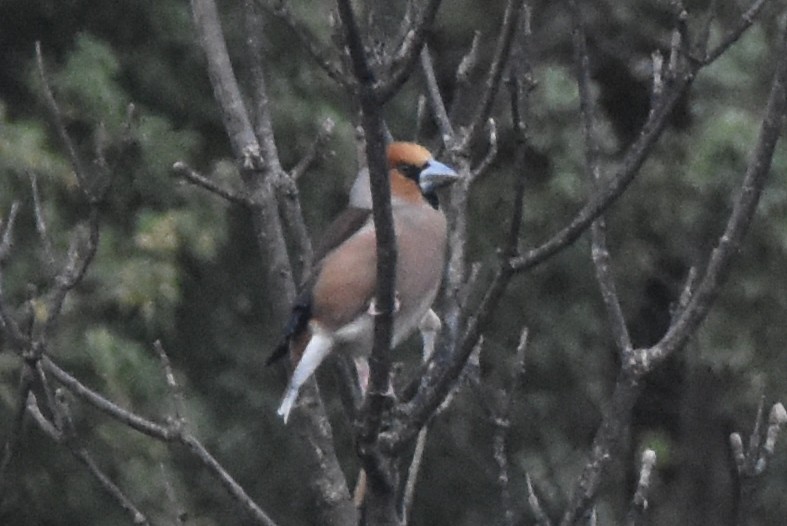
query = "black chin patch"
x=431 y=198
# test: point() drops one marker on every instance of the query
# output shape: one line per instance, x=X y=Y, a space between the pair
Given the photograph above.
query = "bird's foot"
x=374 y=311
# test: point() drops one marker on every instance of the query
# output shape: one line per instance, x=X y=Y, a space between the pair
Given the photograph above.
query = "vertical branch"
x=599 y=250
x=8 y=324
x=54 y=109
x=222 y=78
x=259 y=170
x=495 y=75
x=289 y=202
x=639 y=503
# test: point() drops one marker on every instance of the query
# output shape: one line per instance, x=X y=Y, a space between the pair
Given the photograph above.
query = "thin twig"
x=15 y=429
x=599 y=249
x=412 y=474
x=41 y=225
x=229 y=483
x=491 y=152
x=404 y=60
x=76 y=161
x=639 y=502
x=542 y=519
x=111 y=409
x=68 y=438
x=165 y=433
x=181 y=515
x=502 y=424
x=744 y=22
x=315 y=149
x=495 y=74
x=7 y=322
x=175 y=392
x=435 y=100
x=81 y=251
x=308 y=39
x=752 y=462
x=194 y=177
x=7 y=237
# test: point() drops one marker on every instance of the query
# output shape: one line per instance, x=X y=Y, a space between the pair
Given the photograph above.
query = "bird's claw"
x=374 y=311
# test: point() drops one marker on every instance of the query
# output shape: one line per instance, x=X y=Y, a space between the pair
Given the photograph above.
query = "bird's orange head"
x=415 y=175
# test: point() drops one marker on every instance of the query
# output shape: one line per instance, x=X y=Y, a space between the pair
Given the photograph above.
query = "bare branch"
x=232 y=487
x=81 y=251
x=752 y=462
x=383 y=223
x=68 y=438
x=542 y=519
x=7 y=322
x=435 y=100
x=7 y=238
x=495 y=74
x=76 y=162
x=314 y=150
x=225 y=85
x=194 y=177
x=412 y=474
x=641 y=361
x=599 y=250
x=610 y=192
x=308 y=39
x=639 y=503
x=406 y=56
x=181 y=515
x=15 y=428
x=743 y=211
x=174 y=389
x=469 y=62
x=502 y=424
x=491 y=153
x=744 y=22
x=435 y=385
x=41 y=226
x=132 y=420
x=776 y=420
x=161 y=432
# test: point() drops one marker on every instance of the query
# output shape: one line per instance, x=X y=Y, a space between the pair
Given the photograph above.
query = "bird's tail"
x=299 y=318
x=279 y=352
x=287 y=402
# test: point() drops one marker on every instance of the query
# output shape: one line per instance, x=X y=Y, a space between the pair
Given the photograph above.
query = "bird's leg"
x=362 y=368
x=430 y=326
x=318 y=348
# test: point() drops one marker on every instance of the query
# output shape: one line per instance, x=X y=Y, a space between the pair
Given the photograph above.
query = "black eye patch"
x=411 y=171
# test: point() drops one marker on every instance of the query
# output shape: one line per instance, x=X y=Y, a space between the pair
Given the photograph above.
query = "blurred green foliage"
x=178 y=265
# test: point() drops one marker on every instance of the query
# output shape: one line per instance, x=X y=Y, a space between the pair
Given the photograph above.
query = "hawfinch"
x=335 y=310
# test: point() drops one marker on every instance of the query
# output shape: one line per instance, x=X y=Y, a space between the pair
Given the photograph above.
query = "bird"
x=334 y=311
